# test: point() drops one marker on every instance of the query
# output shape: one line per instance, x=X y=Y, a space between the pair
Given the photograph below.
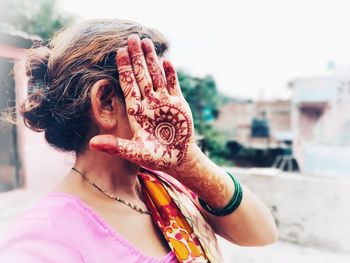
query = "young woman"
x=140 y=190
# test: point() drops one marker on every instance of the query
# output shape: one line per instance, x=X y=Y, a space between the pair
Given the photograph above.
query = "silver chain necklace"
x=132 y=206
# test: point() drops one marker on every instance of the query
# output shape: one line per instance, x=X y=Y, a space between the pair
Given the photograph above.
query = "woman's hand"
x=159 y=116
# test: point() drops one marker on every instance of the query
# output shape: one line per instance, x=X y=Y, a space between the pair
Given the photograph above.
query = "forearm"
x=251 y=224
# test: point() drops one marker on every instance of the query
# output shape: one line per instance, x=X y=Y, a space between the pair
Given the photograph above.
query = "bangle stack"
x=232 y=205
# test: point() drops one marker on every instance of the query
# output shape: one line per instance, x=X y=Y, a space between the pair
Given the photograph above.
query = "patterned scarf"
x=173 y=210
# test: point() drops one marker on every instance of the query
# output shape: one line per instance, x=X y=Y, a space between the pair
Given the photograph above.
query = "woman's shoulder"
x=55 y=211
x=52 y=207
x=37 y=235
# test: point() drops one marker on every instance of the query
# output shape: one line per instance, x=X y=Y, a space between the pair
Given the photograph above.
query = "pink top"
x=62 y=228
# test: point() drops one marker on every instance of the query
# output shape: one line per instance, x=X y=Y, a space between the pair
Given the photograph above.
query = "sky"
x=252 y=48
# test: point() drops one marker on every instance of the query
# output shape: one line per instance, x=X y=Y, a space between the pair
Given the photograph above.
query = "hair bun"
x=37 y=61
x=36 y=110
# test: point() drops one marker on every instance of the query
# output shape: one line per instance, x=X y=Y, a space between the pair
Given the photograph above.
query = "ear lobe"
x=104 y=104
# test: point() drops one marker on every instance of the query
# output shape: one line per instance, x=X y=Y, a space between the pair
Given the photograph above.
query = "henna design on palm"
x=169 y=130
x=158 y=113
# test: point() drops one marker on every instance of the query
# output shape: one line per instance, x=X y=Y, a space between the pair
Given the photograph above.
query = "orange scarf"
x=173 y=210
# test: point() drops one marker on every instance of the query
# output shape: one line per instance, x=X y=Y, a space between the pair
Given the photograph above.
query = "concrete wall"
x=308 y=210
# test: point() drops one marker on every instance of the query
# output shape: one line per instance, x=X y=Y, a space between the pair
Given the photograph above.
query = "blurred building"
x=235 y=119
x=12 y=49
x=19 y=167
x=257 y=124
x=321 y=123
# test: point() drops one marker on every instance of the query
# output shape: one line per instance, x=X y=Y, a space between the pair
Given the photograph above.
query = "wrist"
x=192 y=163
x=231 y=206
x=210 y=182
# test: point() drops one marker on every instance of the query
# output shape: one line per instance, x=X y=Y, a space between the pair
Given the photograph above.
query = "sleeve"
x=37 y=241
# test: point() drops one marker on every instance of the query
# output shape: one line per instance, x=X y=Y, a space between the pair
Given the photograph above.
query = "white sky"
x=251 y=47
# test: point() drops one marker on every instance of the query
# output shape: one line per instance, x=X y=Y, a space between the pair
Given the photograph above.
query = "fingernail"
x=105 y=140
x=122 y=51
x=133 y=37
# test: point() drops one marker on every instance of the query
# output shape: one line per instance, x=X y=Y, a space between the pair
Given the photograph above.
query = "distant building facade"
x=26 y=160
x=12 y=49
x=321 y=124
x=237 y=118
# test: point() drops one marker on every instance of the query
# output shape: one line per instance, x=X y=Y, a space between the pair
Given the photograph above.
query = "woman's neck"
x=112 y=174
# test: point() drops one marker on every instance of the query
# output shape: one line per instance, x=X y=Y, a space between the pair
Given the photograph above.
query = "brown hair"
x=63 y=72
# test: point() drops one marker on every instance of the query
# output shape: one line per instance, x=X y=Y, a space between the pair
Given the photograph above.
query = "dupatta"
x=178 y=217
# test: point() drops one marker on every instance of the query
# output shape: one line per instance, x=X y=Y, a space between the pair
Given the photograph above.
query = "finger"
x=139 y=65
x=172 y=82
x=153 y=65
x=126 y=75
x=128 y=84
x=127 y=149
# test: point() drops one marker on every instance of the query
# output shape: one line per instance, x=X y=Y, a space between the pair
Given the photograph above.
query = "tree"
x=203 y=98
x=40 y=18
x=205 y=101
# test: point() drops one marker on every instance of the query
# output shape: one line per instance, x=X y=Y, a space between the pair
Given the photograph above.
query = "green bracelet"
x=232 y=205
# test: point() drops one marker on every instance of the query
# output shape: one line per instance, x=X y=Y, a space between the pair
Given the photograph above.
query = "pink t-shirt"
x=62 y=228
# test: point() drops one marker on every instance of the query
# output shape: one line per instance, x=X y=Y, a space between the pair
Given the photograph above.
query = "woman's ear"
x=104 y=103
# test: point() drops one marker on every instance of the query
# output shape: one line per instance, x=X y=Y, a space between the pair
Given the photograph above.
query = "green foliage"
x=216 y=145
x=40 y=17
x=203 y=98
x=205 y=101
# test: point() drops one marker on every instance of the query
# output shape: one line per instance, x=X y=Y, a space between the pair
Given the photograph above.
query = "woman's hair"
x=62 y=73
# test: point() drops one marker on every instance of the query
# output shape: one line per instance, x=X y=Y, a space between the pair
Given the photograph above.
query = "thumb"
x=124 y=148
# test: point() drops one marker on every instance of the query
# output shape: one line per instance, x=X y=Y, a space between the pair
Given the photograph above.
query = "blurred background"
x=268 y=83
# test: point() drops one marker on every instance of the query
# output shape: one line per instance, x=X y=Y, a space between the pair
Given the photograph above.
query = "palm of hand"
x=158 y=114
x=163 y=129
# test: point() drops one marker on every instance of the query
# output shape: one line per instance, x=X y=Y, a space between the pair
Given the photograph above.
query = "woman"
x=140 y=190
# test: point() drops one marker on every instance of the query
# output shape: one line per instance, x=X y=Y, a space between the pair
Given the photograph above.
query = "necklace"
x=132 y=206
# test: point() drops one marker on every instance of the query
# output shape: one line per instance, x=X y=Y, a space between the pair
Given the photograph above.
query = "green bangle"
x=232 y=205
